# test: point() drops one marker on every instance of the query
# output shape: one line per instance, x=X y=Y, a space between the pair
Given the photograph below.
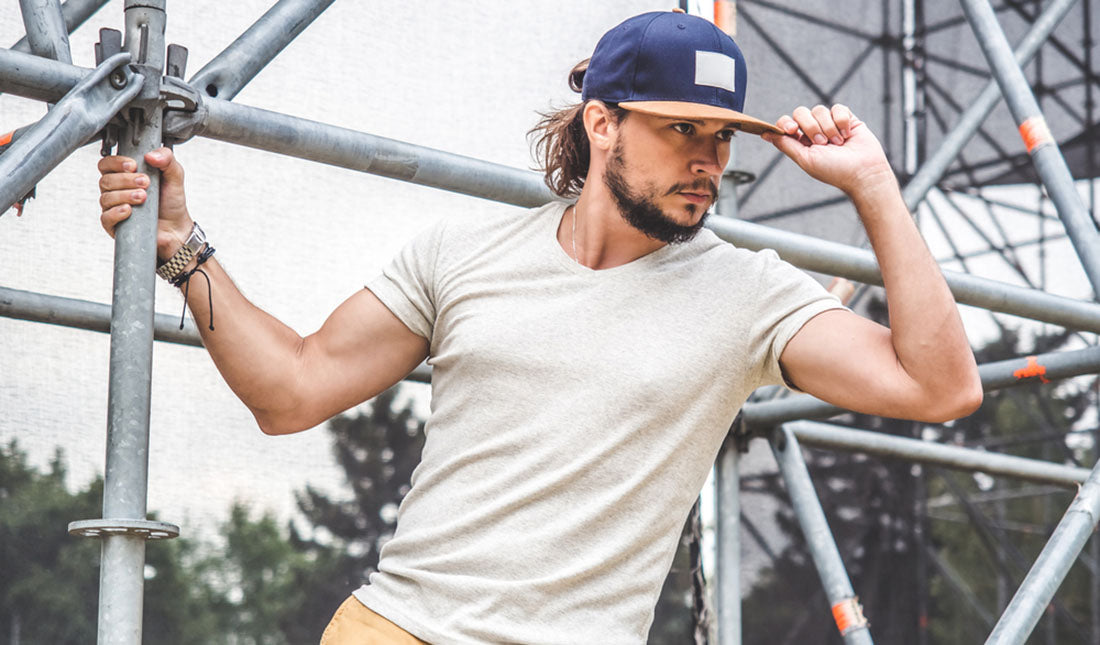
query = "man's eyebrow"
x=732 y=125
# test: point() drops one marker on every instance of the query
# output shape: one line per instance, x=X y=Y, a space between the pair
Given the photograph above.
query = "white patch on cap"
x=715 y=69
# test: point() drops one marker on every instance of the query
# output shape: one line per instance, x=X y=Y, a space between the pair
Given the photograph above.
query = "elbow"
x=274 y=424
x=961 y=402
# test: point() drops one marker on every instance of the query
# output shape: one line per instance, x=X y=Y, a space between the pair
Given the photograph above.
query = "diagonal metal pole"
x=1042 y=147
x=819 y=539
x=47 y=34
x=75 y=119
x=74 y=13
x=1051 y=567
x=974 y=115
x=232 y=69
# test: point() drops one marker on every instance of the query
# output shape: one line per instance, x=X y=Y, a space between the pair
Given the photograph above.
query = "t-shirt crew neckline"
x=566 y=261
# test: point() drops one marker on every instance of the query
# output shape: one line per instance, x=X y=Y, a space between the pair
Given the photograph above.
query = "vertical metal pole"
x=819 y=539
x=47 y=34
x=1042 y=147
x=121 y=582
x=728 y=500
x=1051 y=567
x=955 y=140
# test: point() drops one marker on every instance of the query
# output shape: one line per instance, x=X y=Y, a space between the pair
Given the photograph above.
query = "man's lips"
x=697 y=198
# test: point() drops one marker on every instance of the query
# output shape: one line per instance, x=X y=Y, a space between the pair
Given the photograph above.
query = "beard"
x=641 y=210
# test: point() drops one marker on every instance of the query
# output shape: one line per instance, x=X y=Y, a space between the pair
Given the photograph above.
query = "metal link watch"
x=174 y=265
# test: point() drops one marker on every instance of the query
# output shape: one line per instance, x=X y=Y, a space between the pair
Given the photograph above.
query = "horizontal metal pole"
x=1051 y=567
x=37 y=78
x=826 y=435
x=823 y=256
x=980 y=108
x=94 y=316
x=329 y=144
x=75 y=13
x=239 y=63
x=82 y=314
x=995 y=376
x=333 y=145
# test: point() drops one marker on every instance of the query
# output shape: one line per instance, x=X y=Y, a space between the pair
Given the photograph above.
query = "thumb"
x=163 y=159
x=788 y=144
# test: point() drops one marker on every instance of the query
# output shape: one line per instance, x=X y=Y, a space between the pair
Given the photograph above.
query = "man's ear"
x=601 y=126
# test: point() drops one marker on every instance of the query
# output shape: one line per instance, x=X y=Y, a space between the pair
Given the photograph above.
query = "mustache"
x=700 y=185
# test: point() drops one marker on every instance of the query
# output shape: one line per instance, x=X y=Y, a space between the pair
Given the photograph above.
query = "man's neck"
x=603 y=238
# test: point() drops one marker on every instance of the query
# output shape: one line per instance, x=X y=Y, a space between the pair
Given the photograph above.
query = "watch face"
x=196 y=239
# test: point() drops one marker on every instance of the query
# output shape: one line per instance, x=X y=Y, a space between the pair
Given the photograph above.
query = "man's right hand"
x=121 y=188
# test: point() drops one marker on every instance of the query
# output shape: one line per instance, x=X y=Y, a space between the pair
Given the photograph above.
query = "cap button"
x=680 y=25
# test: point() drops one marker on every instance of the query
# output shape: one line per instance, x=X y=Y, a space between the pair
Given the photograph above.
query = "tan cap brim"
x=687 y=110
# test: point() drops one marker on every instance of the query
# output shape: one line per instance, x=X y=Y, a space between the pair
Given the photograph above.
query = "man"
x=588 y=358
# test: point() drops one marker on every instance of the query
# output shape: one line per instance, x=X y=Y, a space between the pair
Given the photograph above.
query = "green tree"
x=49 y=580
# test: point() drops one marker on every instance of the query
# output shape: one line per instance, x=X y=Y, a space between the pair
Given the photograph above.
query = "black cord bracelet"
x=184 y=280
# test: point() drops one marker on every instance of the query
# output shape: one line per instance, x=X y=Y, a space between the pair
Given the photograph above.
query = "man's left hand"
x=833 y=146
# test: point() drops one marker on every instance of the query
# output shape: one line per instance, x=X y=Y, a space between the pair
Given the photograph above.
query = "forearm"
x=255 y=353
x=926 y=331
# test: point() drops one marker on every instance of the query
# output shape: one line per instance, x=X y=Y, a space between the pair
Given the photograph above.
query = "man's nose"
x=707 y=160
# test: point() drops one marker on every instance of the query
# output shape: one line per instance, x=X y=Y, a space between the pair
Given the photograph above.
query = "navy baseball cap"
x=672 y=64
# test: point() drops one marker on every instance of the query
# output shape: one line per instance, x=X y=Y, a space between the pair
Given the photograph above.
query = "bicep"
x=361 y=350
x=850 y=361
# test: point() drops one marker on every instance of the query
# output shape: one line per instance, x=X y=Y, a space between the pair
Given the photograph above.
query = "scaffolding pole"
x=231 y=70
x=47 y=34
x=727 y=484
x=1042 y=147
x=819 y=539
x=826 y=435
x=996 y=375
x=978 y=110
x=123 y=528
x=74 y=13
x=1051 y=567
x=292 y=136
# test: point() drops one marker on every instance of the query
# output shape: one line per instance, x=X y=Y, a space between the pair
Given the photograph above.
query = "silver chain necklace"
x=573 y=237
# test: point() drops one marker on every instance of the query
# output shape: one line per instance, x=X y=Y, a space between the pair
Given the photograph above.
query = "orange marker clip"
x=848 y=615
x=1035 y=133
x=1033 y=368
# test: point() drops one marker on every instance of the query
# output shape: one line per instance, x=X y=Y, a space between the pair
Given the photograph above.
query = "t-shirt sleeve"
x=791 y=298
x=407 y=285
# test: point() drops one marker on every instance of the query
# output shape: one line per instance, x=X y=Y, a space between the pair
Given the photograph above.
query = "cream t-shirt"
x=574 y=417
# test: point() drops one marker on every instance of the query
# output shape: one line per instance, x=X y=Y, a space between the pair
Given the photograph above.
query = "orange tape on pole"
x=5 y=139
x=848 y=615
x=725 y=16
x=1035 y=133
x=1033 y=368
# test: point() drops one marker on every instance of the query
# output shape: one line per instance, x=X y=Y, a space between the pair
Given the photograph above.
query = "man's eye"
x=726 y=135
x=684 y=128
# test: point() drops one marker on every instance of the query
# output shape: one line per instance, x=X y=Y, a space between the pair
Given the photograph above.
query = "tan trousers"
x=354 y=624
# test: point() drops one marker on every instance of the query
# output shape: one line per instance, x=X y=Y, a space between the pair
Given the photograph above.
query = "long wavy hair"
x=561 y=143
